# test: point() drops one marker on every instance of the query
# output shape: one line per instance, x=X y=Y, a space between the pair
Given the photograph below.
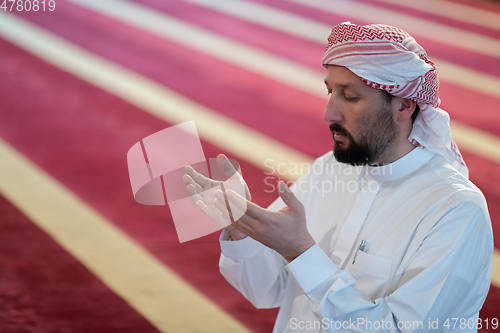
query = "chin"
x=341 y=145
x=355 y=155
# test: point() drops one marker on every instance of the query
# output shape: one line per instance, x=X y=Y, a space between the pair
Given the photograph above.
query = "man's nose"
x=332 y=111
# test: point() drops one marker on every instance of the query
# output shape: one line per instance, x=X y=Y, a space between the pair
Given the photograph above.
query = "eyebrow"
x=345 y=86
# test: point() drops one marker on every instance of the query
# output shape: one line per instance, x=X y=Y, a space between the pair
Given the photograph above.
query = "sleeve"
x=447 y=278
x=255 y=270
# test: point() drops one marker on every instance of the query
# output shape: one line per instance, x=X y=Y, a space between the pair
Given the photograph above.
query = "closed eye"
x=350 y=96
x=351 y=99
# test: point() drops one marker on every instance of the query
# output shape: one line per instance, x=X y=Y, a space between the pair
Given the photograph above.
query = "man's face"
x=361 y=120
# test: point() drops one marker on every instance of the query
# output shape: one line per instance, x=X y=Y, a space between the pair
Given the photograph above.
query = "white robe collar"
x=400 y=168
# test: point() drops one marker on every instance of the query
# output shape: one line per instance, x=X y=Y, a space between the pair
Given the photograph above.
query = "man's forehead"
x=343 y=77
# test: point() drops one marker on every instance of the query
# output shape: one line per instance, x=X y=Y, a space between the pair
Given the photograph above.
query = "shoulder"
x=445 y=194
x=460 y=188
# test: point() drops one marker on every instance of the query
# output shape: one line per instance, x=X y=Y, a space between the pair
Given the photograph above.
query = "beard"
x=377 y=135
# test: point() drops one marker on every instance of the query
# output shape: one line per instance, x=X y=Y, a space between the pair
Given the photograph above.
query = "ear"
x=406 y=109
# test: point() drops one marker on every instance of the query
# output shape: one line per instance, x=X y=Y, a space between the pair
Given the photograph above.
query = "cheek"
x=358 y=121
x=375 y=123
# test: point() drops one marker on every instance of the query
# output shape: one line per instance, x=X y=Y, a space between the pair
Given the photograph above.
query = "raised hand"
x=284 y=231
x=199 y=189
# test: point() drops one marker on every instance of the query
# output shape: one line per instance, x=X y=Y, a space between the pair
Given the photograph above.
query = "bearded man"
x=403 y=242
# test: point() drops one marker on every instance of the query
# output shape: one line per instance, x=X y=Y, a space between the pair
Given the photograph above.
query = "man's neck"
x=395 y=153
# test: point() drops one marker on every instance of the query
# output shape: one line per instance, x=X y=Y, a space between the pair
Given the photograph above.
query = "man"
x=401 y=241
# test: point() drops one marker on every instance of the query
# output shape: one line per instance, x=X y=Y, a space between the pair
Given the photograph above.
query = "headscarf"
x=389 y=59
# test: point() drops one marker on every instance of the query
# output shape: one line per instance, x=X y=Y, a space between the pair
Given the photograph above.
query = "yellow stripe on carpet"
x=495 y=274
x=476 y=141
x=454 y=10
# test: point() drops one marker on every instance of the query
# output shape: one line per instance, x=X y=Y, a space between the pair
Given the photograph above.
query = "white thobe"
x=425 y=266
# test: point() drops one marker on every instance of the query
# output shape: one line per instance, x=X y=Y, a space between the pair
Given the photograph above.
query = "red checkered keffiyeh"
x=389 y=59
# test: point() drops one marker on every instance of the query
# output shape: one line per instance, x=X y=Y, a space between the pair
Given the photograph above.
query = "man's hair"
x=388 y=99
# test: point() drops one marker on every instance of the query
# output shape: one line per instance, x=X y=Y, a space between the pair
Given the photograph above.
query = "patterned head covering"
x=389 y=59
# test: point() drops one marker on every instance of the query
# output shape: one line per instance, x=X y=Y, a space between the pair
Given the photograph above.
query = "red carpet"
x=49 y=290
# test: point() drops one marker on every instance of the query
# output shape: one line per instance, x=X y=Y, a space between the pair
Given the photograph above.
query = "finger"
x=215 y=215
x=225 y=166
x=187 y=179
x=198 y=188
x=222 y=203
x=240 y=206
x=204 y=208
x=228 y=170
x=247 y=192
x=221 y=206
x=222 y=219
x=237 y=204
x=241 y=217
x=198 y=177
x=192 y=194
x=211 y=213
x=245 y=223
x=220 y=195
x=289 y=198
x=191 y=190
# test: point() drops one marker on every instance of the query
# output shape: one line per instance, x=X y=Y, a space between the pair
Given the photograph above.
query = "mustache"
x=334 y=127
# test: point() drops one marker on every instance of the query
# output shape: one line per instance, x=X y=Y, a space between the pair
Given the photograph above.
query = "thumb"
x=289 y=198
